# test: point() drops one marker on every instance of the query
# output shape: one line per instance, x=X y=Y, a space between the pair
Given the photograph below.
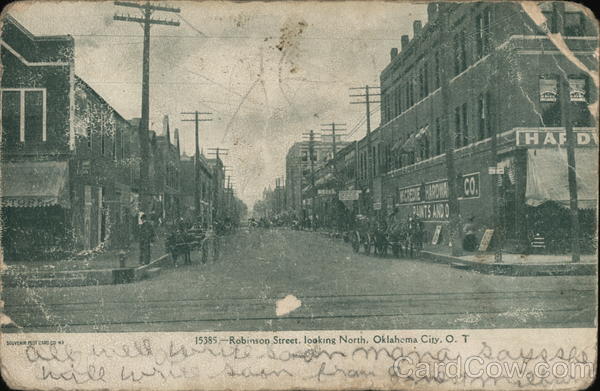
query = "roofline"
x=33 y=37
x=86 y=85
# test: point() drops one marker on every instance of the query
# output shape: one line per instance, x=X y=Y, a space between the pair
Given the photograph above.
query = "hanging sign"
x=349 y=195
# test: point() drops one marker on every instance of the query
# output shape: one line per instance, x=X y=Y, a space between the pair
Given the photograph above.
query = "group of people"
x=182 y=239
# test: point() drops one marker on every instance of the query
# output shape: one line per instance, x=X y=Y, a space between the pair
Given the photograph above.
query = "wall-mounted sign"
x=553 y=138
x=349 y=195
x=438 y=190
x=377 y=205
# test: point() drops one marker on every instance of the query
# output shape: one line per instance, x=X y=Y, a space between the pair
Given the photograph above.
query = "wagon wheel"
x=355 y=239
x=367 y=243
x=204 y=250
x=216 y=247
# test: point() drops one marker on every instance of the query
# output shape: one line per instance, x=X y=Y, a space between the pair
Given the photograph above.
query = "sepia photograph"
x=342 y=179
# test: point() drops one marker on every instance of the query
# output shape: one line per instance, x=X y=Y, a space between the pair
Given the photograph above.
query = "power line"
x=146 y=21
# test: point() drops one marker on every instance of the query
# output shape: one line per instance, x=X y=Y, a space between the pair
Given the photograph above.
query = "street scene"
x=211 y=166
x=337 y=289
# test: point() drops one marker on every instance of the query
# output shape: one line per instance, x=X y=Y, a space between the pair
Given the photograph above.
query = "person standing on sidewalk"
x=146 y=237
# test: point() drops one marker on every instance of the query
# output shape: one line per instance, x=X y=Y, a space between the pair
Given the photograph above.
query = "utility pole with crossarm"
x=197 y=121
x=146 y=21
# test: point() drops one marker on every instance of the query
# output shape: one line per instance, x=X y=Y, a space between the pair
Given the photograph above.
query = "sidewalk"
x=90 y=268
x=513 y=264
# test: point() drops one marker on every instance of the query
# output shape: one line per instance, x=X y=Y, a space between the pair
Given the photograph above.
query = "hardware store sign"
x=429 y=201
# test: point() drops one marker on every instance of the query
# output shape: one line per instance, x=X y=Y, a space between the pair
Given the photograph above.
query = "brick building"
x=68 y=158
x=504 y=73
x=298 y=176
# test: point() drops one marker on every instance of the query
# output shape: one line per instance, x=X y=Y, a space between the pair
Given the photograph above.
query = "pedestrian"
x=146 y=236
x=470 y=240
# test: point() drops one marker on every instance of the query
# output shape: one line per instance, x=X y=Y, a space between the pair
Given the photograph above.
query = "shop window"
x=550 y=106
x=24 y=115
x=574 y=24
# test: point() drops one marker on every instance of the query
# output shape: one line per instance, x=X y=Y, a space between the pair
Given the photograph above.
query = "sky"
x=267 y=72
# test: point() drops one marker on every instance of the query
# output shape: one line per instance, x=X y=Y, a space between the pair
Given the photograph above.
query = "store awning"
x=35 y=184
x=547 y=177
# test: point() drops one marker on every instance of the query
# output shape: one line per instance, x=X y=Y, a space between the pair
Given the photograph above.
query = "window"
x=102 y=142
x=425 y=80
x=549 y=104
x=460 y=53
x=439 y=142
x=421 y=83
x=551 y=19
x=483 y=33
x=11 y=114
x=398 y=101
x=458 y=136
x=24 y=115
x=437 y=70
x=465 y=125
x=578 y=96
x=574 y=24
x=483 y=117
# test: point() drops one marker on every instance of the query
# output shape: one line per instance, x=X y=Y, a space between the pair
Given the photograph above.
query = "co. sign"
x=470 y=185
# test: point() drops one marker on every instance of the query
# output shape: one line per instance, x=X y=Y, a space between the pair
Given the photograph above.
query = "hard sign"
x=349 y=195
x=486 y=239
x=436 y=235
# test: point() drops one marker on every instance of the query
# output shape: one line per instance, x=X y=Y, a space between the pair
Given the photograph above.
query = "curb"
x=514 y=269
x=73 y=278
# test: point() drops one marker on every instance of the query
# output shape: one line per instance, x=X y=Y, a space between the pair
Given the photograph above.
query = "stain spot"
x=286 y=305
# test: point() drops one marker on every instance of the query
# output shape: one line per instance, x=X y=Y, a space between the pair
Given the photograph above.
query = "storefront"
x=547 y=197
x=36 y=209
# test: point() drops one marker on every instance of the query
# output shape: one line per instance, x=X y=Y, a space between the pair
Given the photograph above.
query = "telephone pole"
x=197 y=121
x=146 y=21
x=331 y=129
x=565 y=103
x=311 y=151
x=369 y=92
x=449 y=138
x=217 y=152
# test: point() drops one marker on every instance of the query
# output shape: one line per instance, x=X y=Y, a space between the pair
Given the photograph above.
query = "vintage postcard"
x=285 y=195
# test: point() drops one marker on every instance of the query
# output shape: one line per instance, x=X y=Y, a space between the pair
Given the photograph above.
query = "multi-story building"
x=66 y=169
x=205 y=186
x=503 y=71
x=298 y=177
x=166 y=173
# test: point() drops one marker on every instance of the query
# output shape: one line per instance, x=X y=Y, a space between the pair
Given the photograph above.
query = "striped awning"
x=34 y=184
